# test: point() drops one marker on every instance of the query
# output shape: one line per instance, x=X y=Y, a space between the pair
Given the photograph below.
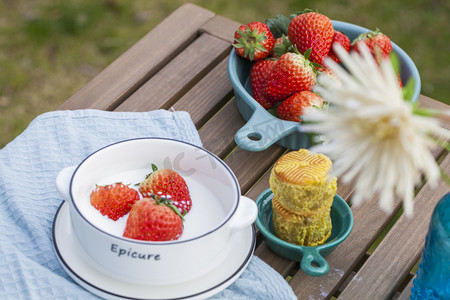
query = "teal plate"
x=264 y=129
x=312 y=259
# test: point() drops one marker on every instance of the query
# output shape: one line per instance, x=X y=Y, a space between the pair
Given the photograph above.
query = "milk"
x=208 y=211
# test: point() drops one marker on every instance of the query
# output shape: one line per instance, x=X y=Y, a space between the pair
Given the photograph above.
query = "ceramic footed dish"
x=312 y=259
x=262 y=128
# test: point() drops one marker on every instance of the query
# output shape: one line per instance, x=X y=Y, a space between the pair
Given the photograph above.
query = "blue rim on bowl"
x=311 y=259
x=262 y=128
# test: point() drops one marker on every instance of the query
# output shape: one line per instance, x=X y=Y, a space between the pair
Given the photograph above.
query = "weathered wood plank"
x=135 y=66
x=278 y=263
x=256 y=163
x=221 y=27
x=208 y=96
x=178 y=76
x=406 y=294
x=378 y=279
x=369 y=221
x=218 y=133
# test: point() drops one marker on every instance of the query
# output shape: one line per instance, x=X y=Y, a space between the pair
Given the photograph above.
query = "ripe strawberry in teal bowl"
x=259 y=98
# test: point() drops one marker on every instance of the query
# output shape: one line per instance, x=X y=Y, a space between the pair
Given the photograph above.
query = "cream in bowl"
x=218 y=210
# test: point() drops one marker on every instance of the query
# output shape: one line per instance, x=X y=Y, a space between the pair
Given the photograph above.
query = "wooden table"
x=188 y=71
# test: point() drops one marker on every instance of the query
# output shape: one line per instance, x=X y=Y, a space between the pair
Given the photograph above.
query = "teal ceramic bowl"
x=312 y=259
x=262 y=128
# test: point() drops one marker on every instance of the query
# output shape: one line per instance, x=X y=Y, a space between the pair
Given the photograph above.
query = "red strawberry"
x=152 y=220
x=114 y=200
x=253 y=41
x=373 y=40
x=282 y=45
x=328 y=72
x=341 y=39
x=292 y=73
x=259 y=72
x=167 y=183
x=400 y=82
x=293 y=107
x=314 y=31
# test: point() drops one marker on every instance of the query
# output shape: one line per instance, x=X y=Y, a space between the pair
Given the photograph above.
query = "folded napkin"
x=29 y=268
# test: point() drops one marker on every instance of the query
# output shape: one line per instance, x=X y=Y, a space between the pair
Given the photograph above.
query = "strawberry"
x=152 y=220
x=313 y=31
x=170 y=184
x=114 y=200
x=400 y=82
x=282 y=45
x=294 y=107
x=292 y=73
x=328 y=72
x=259 y=72
x=341 y=39
x=373 y=40
x=253 y=41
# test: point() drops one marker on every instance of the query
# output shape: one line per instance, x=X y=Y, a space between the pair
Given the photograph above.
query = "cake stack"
x=303 y=194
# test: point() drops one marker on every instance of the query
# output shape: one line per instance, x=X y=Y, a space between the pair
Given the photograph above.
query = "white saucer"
x=67 y=248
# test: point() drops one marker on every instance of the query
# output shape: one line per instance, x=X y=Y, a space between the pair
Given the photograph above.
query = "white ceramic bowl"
x=218 y=210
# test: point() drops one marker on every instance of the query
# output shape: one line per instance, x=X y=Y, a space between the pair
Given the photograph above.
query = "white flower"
x=375 y=138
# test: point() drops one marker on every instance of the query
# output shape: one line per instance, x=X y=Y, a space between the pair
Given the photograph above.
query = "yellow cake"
x=300 y=181
x=303 y=195
x=311 y=230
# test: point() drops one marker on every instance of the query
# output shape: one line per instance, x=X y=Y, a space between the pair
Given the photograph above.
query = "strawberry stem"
x=160 y=200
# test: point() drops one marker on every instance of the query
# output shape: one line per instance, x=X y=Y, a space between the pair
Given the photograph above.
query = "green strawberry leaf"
x=285 y=46
x=167 y=202
x=424 y=112
x=408 y=89
x=395 y=62
x=445 y=176
x=307 y=53
x=273 y=111
x=278 y=26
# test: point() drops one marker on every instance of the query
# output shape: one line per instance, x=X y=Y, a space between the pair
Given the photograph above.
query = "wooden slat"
x=368 y=222
x=406 y=294
x=217 y=134
x=208 y=96
x=278 y=263
x=401 y=248
x=141 y=61
x=178 y=76
x=255 y=164
x=260 y=186
x=438 y=106
x=221 y=27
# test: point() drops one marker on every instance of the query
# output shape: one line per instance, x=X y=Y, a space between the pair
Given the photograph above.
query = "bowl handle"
x=244 y=215
x=262 y=130
x=63 y=182
x=313 y=263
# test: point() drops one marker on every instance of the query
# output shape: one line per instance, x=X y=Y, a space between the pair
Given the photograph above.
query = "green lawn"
x=51 y=48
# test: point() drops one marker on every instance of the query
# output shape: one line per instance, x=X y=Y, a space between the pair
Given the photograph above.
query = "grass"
x=51 y=48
